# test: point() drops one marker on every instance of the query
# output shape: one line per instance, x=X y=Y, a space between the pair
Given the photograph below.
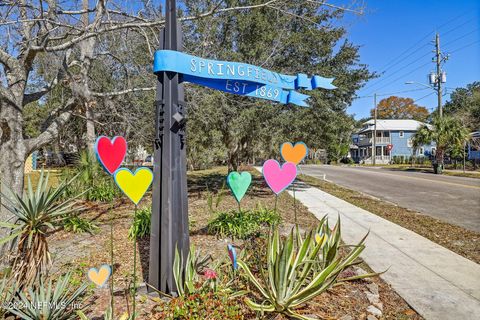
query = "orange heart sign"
x=100 y=277
x=295 y=154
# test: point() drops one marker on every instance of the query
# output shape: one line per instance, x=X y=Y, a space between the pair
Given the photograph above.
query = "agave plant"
x=50 y=302
x=36 y=213
x=300 y=268
x=187 y=275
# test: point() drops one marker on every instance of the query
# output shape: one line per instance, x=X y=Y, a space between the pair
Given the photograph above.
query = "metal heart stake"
x=279 y=177
x=239 y=183
x=110 y=153
x=294 y=153
x=134 y=185
x=100 y=277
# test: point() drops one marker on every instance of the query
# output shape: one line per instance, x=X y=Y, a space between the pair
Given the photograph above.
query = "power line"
x=397 y=60
x=465 y=46
x=428 y=35
x=424 y=97
x=457 y=27
x=411 y=47
x=392 y=93
x=461 y=37
x=401 y=68
x=403 y=75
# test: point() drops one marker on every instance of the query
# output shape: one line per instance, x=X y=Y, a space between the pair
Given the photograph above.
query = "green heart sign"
x=239 y=183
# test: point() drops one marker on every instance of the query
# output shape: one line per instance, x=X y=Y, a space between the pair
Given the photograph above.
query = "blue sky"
x=396 y=36
x=396 y=41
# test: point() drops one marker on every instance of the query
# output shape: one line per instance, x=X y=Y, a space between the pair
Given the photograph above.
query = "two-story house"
x=393 y=138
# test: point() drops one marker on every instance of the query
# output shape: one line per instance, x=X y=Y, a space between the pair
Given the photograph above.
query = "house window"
x=434 y=150
x=400 y=134
x=421 y=151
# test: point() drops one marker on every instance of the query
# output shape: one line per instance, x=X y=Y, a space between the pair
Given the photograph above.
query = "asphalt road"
x=452 y=199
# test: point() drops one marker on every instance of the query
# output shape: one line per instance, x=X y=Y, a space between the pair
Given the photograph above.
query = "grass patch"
x=242 y=224
x=461 y=241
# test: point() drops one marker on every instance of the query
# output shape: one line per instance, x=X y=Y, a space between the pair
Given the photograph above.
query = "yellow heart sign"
x=100 y=277
x=134 y=185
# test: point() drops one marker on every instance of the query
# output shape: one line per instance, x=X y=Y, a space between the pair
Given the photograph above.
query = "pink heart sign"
x=111 y=153
x=279 y=177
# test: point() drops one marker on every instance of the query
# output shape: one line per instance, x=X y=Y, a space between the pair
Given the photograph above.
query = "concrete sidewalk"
x=436 y=282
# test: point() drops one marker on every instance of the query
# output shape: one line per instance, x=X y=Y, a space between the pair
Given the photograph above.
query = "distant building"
x=474 y=146
x=394 y=138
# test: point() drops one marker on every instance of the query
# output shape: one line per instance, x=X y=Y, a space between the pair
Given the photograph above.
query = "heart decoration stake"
x=110 y=153
x=100 y=277
x=233 y=256
x=294 y=153
x=279 y=177
x=239 y=183
x=134 y=185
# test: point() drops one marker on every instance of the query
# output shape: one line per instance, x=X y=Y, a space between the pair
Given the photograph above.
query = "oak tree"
x=400 y=108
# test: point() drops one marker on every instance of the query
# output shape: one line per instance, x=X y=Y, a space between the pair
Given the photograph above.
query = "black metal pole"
x=169 y=227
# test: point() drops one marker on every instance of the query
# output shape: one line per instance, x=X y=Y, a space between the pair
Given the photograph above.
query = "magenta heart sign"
x=279 y=177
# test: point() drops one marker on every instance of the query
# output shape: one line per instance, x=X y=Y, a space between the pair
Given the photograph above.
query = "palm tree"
x=447 y=132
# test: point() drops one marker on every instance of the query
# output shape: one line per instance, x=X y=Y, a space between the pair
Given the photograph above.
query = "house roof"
x=392 y=124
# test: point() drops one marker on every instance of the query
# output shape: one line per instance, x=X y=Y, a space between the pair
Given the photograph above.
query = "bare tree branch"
x=323 y=3
x=118 y=93
x=51 y=132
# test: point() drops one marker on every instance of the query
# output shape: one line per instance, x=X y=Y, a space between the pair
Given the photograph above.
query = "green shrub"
x=99 y=186
x=141 y=224
x=77 y=224
x=300 y=268
x=242 y=224
x=199 y=306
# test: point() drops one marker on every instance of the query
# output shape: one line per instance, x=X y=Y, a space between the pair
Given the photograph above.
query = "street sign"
x=239 y=78
x=169 y=228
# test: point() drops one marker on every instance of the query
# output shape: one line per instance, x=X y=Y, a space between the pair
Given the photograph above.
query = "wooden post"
x=170 y=201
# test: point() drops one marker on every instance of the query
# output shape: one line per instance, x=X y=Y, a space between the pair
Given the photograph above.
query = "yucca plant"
x=49 y=301
x=8 y=288
x=299 y=269
x=36 y=213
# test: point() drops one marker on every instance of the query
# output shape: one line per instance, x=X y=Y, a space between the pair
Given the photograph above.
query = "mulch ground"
x=79 y=252
x=461 y=241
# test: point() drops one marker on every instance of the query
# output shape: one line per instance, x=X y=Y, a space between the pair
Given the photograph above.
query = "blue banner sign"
x=239 y=78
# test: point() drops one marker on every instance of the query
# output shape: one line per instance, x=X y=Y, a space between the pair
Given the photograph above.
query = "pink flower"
x=210 y=274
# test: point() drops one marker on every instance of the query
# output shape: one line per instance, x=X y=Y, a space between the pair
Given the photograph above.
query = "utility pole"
x=374 y=149
x=438 y=56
